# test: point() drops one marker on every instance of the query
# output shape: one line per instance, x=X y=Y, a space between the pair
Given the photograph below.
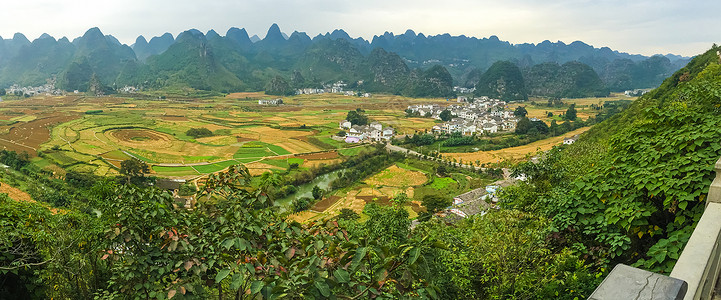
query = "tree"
x=2 y=92
x=133 y=168
x=301 y=204
x=435 y=202
x=571 y=113
x=199 y=132
x=356 y=117
x=317 y=193
x=238 y=244
x=410 y=113
x=523 y=126
x=348 y=214
x=520 y=112
x=446 y=115
x=441 y=170
x=341 y=133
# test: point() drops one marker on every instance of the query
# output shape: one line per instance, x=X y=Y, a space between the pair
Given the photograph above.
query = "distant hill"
x=401 y=64
x=504 y=81
x=570 y=80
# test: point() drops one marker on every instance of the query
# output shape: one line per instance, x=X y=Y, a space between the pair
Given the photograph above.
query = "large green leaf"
x=221 y=275
x=323 y=287
x=341 y=275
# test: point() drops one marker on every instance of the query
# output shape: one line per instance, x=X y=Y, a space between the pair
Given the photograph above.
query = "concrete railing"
x=698 y=264
x=696 y=273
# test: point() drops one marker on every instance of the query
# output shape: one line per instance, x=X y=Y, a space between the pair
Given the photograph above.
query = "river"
x=306 y=189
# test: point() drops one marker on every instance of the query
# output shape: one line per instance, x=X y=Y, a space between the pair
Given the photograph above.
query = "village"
x=47 y=89
x=471 y=116
x=375 y=132
x=335 y=88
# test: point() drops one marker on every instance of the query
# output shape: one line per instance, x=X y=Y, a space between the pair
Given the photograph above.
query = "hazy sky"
x=637 y=26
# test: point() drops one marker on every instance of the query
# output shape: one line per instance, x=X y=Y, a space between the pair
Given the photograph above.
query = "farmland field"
x=98 y=133
x=514 y=154
x=155 y=131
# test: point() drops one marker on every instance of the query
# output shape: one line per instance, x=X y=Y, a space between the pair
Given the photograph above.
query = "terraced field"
x=97 y=133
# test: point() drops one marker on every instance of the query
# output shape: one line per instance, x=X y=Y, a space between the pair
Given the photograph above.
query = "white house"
x=509 y=124
x=490 y=127
x=345 y=124
x=375 y=134
x=358 y=133
x=388 y=133
x=469 y=129
x=270 y=101
x=570 y=140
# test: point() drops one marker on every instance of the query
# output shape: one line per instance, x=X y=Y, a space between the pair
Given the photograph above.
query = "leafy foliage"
x=503 y=255
x=356 y=117
x=632 y=189
x=199 y=132
x=133 y=169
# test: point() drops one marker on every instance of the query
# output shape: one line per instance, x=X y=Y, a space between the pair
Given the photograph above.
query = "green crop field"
x=252 y=153
x=243 y=132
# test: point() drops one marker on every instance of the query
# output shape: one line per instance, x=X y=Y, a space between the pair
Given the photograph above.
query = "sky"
x=638 y=27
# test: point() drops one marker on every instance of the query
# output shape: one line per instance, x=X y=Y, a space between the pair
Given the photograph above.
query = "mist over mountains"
x=410 y=64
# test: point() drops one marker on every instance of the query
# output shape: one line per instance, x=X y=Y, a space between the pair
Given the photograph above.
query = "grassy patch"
x=352 y=151
x=175 y=171
x=443 y=183
x=25 y=118
x=61 y=158
x=246 y=160
x=116 y=154
x=295 y=160
x=211 y=168
x=41 y=162
x=409 y=167
x=281 y=163
x=246 y=152
x=277 y=149
x=321 y=144
x=200 y=158
x=145 y=159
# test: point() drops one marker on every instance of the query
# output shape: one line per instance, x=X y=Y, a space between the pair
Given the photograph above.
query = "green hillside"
x=633 y=187
x=571 y=80
x=503 y=80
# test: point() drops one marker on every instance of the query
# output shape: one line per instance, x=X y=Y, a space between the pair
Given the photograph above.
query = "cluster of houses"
x=46 y=89
x=334 y=88
x=463 y=90
x=636 y=92
x=270 y=101
x=354 y=93
x=128 y=89
x=364 y=133
x=483 y=115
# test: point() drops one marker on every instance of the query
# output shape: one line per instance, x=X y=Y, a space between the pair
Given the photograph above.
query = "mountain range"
x=410 y=64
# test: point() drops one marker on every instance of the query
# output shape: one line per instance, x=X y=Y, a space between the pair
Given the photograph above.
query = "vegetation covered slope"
x=633 y=187
x=570 y=80
x=504 y=81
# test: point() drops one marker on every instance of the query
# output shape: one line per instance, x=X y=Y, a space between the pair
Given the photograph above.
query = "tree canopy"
x=357 y=118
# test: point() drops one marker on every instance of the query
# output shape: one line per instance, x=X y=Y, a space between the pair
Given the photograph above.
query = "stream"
x=306 y=189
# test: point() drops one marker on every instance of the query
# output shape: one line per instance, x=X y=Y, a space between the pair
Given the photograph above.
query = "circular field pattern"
x=141 y=137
